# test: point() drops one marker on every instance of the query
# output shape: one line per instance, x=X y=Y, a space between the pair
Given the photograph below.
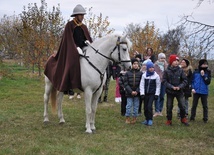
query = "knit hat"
x=201 y=62
x=161 y=55
x=134 y=60
x=187 y=61
x=149 y=64
x=173 y=58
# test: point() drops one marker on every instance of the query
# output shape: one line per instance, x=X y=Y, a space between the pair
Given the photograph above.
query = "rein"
x=101 y=74
x=97 y=51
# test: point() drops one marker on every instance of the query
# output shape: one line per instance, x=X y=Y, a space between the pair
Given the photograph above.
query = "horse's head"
x=120 y=52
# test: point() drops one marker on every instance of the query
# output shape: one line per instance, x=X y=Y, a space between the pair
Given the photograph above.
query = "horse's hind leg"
x=48 y=88
x=59 y=103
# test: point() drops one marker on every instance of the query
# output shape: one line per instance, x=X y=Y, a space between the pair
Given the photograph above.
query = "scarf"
x=161 y=65
x=148 y=73
x=76 y=22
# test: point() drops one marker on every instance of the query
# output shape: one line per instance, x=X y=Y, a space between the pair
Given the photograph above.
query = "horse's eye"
x=124 y=49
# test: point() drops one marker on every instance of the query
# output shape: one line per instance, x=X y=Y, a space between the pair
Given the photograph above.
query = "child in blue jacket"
x=201 y=80
x=149 y=91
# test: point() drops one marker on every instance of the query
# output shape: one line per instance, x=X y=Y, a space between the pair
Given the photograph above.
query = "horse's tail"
x=53 y=100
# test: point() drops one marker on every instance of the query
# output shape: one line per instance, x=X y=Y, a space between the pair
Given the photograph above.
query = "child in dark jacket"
x=175 y=80
x=200 y=82
x=132 y=82
x=149 y=91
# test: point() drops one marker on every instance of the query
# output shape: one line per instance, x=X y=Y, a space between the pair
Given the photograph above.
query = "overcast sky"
x=164 y=13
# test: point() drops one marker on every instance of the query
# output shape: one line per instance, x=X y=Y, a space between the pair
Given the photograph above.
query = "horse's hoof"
x=93 y=127
x=89 y=131
x=45 y=122
x=61 y=123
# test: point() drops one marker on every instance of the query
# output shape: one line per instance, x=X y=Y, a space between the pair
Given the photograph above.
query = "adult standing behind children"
x=149 y=91
x=175 y=80
x=149 y=55
x=63 y=69
x=187 y=68
x=132 y=82
x=200 y=82
x=160 y=66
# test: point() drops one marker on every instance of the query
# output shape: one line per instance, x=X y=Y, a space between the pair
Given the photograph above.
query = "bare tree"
x=201 y=1
x=204 y=34
x=172 y=39
x=202 y=31
x=132 y=29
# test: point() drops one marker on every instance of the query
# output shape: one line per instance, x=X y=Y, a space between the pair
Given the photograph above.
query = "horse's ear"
x=124 y=37
x=129 y=43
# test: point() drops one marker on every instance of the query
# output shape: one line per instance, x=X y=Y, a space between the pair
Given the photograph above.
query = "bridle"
x=117 y=46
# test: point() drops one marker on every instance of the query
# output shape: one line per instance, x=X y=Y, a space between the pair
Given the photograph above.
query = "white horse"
x=93 y=66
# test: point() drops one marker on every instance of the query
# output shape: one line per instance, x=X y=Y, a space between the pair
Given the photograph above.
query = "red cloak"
x=63 y=69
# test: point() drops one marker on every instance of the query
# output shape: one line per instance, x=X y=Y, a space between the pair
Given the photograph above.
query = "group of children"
x=148 y=82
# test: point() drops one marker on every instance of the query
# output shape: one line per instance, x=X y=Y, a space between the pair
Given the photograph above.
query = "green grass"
x=22 y=130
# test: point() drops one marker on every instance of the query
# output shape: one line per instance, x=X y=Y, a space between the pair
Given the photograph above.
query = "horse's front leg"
x=59 y=103
x=94 y=108
x=46 y=98
x=48 y=88
x=88 y=97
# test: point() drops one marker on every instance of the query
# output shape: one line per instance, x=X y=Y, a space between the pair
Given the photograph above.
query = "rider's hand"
x=87 y=42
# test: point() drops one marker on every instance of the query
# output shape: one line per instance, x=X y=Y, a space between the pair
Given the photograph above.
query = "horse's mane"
x=113 y=38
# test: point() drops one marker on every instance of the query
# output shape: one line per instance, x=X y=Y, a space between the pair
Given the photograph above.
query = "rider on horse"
x=63 y=69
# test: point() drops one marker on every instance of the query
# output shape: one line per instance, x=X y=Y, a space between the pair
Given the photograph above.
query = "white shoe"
x=78 y=96
x=156 y=114
x=71 y=96
x=118 y=99
x=160 y=114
